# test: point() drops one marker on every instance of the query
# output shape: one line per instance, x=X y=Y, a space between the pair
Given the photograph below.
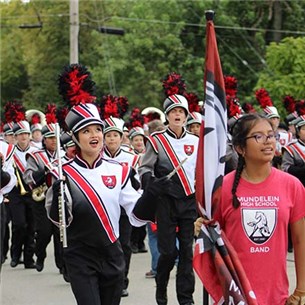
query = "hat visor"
x=85 y=123
x=108 y=129
x=20 y=131
x=171 y=107
x=271 y=116
x=49 y=135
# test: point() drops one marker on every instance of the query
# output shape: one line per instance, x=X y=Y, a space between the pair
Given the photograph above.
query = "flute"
x=61 y=198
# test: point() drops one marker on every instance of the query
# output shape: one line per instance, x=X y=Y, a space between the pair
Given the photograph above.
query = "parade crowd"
x=127 y=179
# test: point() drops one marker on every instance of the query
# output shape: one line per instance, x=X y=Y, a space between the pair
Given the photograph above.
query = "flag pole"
x=209 y=15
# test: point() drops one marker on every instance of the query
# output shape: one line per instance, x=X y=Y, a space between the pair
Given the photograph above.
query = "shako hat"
x=113 y=124
x=81 y=116
x=194 y=117
x=66 y=140
x=21 y=127
x=174 y=101
x=136 y=131
x=48 y=130
x=8 y=129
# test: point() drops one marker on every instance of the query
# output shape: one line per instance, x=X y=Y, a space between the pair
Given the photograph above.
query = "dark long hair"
x=240 y=131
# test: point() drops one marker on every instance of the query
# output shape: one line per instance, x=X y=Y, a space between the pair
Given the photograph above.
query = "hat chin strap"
x=76 y=141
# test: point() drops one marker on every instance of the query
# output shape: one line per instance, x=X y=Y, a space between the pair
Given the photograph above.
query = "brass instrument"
x=38 y=193
x=19 y=181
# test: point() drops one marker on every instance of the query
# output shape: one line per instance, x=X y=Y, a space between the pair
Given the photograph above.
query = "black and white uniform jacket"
x=20 y=164
x=293 y=159
x=39 y=163
x=127 y=158
x=94 y=196
x=164 y=152
x=7 y=151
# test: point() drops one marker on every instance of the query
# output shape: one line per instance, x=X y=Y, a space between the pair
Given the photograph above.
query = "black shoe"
x=125 y=293
x=29 y=266
x=39 y=265
x=142 y=250
x=14 y=263
x=161 y=296
x=66 y=277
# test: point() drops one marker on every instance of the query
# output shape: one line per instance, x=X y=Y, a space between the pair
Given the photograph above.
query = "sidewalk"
x=21 y=286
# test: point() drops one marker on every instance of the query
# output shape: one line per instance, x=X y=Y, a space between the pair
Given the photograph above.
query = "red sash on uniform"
x=175 y=162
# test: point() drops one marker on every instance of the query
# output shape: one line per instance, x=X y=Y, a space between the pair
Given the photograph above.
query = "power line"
x=108 y=18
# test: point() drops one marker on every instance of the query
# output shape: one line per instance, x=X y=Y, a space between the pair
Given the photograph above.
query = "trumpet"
x=19 y=181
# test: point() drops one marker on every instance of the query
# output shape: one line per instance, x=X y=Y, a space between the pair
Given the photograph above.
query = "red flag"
x=215 y=260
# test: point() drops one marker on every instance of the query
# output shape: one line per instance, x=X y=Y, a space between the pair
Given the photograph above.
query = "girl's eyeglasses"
x=262 y=138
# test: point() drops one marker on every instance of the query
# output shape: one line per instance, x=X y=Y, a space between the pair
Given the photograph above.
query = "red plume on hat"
x=289 y=103
x=50 y=113
x=14 y=111
x=193 y=102
x=300 y=107
x=35 y=119
x=262 y=96
x=109 y=106
x=136 y=119
x=230 y=85
x=248 y=108
x=173 y=84
x=233 y=106
x=75 y=85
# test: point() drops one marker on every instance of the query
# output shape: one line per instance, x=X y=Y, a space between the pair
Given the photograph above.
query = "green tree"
x=285 y=73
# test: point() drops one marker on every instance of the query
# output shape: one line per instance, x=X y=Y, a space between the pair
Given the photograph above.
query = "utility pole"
x=74 y=31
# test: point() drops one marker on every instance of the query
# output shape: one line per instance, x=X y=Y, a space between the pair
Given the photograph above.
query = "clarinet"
x=61 y=198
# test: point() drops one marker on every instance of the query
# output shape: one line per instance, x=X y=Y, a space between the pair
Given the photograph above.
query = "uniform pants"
x=21 y=210
x=138 y=235
x=44 y=229
x=125 y=233
x=96 y=274
x=173 y=214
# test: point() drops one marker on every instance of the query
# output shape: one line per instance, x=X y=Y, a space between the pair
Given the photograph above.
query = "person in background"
x=176 y=210
x=138 y=234
x=153 y=126
x=193 y=123
x=8 y=133
x=8 y=136
x=113 y=134
x=255 y=212
x=21 y=204
x=7 y=182
x=36 y=139
x=39 y=164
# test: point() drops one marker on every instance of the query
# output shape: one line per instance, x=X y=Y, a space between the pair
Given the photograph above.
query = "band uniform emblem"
x=109 y=181
x=188 y=149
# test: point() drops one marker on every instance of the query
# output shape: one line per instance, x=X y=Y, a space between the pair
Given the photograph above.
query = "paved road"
x=21 y=286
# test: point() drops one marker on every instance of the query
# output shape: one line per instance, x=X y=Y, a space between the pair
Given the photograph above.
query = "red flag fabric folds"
x=215 y=260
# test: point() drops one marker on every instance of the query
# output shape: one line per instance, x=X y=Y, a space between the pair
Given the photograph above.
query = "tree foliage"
x=255 y=40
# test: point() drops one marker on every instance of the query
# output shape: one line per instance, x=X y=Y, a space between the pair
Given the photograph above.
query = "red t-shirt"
x=258 y=229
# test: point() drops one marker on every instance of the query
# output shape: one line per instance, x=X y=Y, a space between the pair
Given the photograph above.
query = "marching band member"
x=7 y=182
x=176 y=209
x=38 y=165
x=95 y=188
x=113 y=133
x=8 y=133
x=193 y=123
x=20 y=201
